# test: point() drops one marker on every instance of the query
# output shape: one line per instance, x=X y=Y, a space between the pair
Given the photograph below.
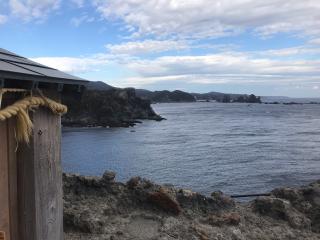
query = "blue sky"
x=240 y=46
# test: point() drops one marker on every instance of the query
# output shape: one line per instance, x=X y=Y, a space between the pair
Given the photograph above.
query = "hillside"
x=180 y=96
x=165 y=96
x=101 y=86
x=226 y=97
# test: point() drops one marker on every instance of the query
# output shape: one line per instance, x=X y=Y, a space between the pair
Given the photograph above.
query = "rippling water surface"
x=236 y=148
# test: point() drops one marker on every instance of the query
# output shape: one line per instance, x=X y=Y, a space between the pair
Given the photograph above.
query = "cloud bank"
x=206 y=18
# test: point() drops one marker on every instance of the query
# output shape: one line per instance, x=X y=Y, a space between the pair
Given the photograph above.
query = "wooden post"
x=4 y=182
x=8 y=179
x=40 y=180
x=13 y=179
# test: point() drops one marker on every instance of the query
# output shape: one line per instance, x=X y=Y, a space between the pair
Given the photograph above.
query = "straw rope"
x=21 y=108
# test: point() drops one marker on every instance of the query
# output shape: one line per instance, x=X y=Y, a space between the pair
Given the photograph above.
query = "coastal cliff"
x=101 y=208
x=107 y=107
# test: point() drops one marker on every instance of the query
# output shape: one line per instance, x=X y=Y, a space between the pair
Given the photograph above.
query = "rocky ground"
x=100 y=209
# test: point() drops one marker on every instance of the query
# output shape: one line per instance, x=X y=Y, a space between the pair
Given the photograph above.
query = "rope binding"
x=20 y=109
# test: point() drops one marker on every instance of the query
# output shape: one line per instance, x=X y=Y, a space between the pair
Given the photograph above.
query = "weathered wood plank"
x=13 y=179
x=48 y=175
x=4 y=181
x=41 y=180
x=26 y=191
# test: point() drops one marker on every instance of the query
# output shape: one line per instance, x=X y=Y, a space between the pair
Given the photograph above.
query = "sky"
x=265 y=47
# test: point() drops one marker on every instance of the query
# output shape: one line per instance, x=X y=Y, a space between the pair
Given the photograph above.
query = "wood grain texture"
x=40 y=180
x=13 y=179
x=4 y=181
x=26 y=191
x=48 y=175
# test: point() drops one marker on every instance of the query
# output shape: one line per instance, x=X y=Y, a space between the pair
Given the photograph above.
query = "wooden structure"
x=31 y=204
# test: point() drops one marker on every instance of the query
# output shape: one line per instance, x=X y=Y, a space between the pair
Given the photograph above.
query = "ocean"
x=205 y=147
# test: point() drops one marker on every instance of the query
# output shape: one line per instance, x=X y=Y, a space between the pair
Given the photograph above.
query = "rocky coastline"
x=107 y=108
x=99 y=208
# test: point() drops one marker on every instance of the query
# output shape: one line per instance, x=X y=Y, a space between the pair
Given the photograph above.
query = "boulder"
x=164 y=201
x=109 y=176
x=223 y=200
x=281 y=209
x=133 y=182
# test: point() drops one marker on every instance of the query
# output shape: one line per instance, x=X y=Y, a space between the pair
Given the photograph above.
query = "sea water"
x=236 y=148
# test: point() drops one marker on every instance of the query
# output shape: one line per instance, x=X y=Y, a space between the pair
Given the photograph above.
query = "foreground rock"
x=100 y=208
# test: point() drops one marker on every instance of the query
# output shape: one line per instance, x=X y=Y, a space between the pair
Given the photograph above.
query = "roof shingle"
x=15 y=66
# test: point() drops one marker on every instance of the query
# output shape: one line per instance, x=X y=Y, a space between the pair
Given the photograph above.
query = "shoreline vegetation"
x=99 y=208
x=102 y=105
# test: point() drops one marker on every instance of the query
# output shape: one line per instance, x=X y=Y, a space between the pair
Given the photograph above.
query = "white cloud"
x=315 y=41
x=3 y=19
x=147 y=46
x=285 y=52
x=74 y=65
x=79 y=3
x=225 y=67
x=207 y=18
x=33 y=9
x=227 y=63
x=77 y=21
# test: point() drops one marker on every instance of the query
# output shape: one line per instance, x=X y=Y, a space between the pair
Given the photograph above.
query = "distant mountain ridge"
x=181 y=96
x=153 y=96
x=217 y=96
x=165 y=96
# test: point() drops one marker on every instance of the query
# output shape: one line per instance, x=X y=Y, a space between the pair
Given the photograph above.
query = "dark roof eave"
x=28 y=77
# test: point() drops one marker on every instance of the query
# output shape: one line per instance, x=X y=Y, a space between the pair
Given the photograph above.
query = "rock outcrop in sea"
x=107 y=108
x=99 y=208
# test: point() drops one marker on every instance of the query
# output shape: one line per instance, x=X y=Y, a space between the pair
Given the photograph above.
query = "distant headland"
x=107 y=106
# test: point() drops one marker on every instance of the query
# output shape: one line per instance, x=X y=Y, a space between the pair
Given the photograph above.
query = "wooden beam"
x=40 y=180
